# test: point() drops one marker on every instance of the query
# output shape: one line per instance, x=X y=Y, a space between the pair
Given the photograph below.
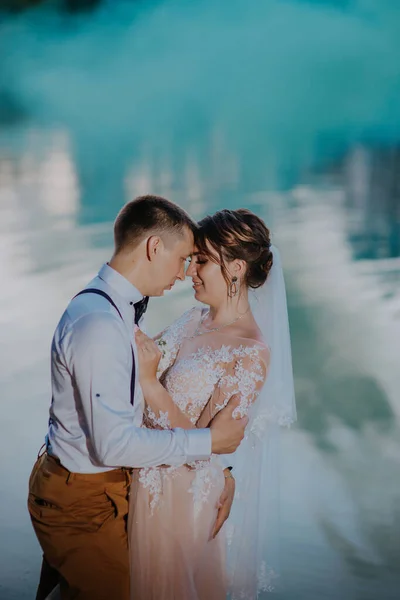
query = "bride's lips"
x=196 y=285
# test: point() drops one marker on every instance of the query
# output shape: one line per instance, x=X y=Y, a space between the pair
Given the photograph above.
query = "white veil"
x=253 y=526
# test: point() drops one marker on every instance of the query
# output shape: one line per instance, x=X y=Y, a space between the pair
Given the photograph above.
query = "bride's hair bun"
x=238 y=234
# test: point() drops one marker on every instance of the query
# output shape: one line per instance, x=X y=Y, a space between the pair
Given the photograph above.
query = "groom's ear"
x=153 y=246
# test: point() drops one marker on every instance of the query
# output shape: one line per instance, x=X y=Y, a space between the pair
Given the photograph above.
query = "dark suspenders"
x=111 y=301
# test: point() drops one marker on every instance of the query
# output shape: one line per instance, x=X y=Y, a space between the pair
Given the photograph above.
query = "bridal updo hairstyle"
x=237 y=234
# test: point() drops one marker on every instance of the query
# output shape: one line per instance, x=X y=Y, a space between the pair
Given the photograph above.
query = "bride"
x=238 y=346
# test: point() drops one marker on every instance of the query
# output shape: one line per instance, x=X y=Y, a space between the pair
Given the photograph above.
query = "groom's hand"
x=149 y=356
x=226 y=431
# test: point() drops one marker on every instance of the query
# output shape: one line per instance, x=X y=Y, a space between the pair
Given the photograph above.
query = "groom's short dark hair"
x=149 y=214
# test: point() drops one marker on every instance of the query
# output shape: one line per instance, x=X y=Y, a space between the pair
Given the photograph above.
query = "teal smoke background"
x=290 y=83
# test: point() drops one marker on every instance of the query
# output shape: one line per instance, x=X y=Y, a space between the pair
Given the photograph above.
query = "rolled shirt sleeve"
x=101 y=365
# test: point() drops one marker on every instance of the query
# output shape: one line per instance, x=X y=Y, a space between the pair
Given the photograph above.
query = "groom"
x=78 y=489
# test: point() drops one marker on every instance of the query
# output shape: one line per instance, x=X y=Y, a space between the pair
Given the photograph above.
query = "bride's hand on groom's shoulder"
x=149 y=356
x=227 y=431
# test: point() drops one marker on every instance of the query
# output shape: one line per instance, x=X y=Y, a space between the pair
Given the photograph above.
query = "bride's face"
x=208 y=281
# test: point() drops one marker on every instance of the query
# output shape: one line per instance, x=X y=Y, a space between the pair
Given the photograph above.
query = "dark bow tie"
x=140 y=308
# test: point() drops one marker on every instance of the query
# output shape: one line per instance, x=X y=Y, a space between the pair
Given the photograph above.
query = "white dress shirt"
x=93 y=427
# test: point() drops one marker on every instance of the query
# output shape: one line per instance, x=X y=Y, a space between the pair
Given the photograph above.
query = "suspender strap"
x=111 y=301
x=100 y=293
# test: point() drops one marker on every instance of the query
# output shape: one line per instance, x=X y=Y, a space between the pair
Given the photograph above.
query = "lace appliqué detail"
x=162 y=421
x=266 y=582
x=206 y=477
x=206 y=473
x=192 y=380
x=245 y=378
x=259 y=425
x=266 y=578
x=170 y=340
x=205 y=375
x=152 y=478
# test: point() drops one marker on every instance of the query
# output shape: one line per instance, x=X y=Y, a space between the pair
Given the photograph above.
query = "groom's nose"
x=181 y=275
x=190 y=271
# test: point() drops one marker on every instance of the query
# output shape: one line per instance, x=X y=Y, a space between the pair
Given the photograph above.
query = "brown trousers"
x=80 y=522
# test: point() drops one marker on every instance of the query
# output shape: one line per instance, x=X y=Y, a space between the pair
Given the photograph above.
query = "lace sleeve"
x=244 y=377
x=170 y=339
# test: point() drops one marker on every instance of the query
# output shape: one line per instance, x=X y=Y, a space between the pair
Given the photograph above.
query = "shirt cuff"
x=197 y=443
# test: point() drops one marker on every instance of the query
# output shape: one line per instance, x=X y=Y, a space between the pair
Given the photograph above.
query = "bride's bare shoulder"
x=249 y=332
x=192 y=314
x=249 y=338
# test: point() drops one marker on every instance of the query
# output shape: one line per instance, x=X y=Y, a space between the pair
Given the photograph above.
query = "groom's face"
x=169 y=263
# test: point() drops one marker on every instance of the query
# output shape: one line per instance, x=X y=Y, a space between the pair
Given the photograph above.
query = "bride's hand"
x=149 y=356
x=225 y=502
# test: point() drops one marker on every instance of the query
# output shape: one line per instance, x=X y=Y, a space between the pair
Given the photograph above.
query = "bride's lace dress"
x=173 y=509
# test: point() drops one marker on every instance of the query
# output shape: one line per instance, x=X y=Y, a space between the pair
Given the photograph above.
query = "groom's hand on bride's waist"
x=227 y=431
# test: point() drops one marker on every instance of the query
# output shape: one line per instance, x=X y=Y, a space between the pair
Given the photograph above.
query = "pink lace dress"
x=173 y=509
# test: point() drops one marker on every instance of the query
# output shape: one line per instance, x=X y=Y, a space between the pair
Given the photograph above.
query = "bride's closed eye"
x=198 y=260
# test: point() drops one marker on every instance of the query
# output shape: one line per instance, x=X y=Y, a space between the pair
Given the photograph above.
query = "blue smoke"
x=289 y=83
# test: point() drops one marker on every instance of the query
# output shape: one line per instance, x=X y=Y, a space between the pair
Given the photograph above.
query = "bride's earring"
x=233 y=288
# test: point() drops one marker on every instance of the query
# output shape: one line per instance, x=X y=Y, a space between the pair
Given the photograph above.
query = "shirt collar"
x=120 y=284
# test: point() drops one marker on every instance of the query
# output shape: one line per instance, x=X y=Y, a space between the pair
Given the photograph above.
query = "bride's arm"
x=244 y=378
x=161 y=409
